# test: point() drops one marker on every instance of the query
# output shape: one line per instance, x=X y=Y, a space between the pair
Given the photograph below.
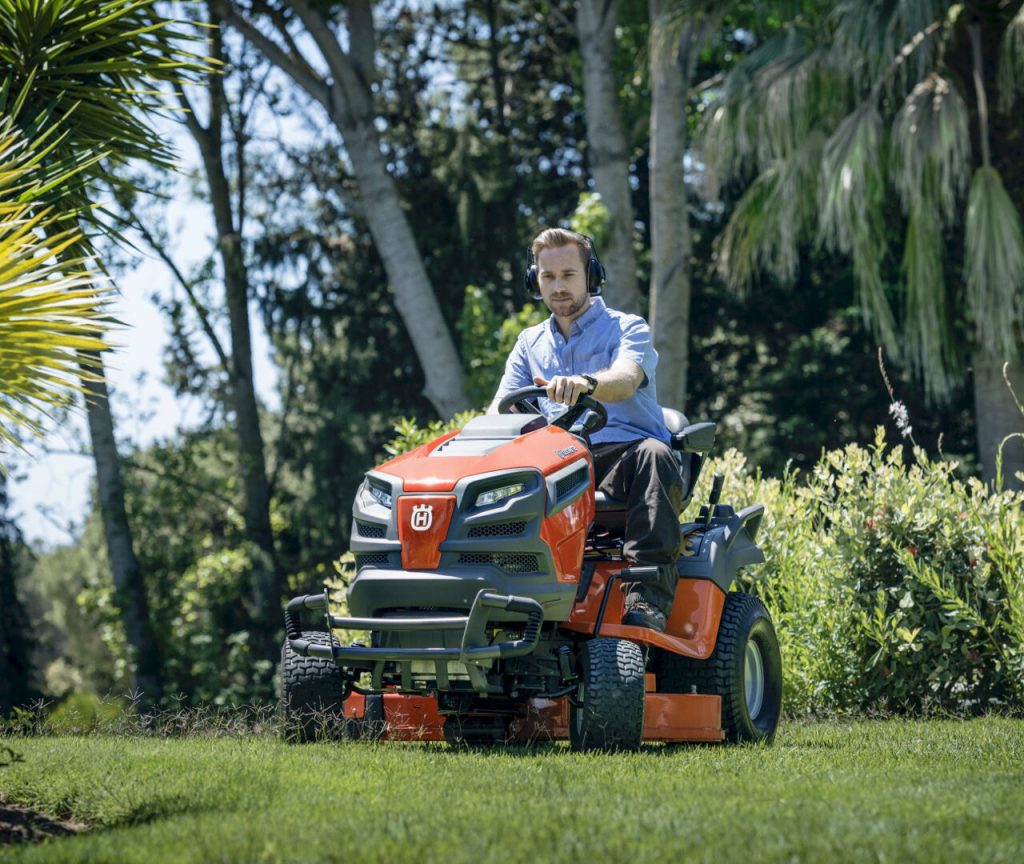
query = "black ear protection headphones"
x=595 y=272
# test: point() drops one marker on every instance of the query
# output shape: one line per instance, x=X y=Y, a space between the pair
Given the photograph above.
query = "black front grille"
x=372 y=559
x=567 y=484
x=498 y=529
x=510 y=562
x=371 y=530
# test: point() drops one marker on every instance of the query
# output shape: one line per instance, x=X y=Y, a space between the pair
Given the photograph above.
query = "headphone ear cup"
x=595 y=276
x=531 y=283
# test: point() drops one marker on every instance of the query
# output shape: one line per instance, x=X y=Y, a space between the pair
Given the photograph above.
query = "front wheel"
x=609 y=709
x=313 y=692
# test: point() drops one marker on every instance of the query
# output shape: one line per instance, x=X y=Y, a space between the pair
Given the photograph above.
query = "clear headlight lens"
x=493 y=496
x=382 y=495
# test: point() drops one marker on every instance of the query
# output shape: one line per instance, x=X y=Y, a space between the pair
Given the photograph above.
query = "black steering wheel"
x=593 y=423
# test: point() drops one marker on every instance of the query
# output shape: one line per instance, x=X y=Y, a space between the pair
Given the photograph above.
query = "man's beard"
x=573 y=308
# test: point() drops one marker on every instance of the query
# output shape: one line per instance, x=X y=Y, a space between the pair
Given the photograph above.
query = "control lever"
x=716 y=493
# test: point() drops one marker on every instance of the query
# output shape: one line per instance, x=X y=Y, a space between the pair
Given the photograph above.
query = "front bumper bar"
x=474 y=647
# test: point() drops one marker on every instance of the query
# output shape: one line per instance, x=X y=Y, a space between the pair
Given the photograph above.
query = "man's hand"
x=564 y=388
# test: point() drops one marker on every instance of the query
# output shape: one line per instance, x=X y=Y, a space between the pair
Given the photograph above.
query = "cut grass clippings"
x=861 y=791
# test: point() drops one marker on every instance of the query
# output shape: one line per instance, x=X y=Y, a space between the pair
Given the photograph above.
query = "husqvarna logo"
x=422 y=517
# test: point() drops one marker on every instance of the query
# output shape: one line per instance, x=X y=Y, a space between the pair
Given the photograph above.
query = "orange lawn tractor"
x=487 y=584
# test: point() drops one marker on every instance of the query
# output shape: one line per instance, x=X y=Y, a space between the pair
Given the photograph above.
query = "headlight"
x=493 y=496
x=379 y=491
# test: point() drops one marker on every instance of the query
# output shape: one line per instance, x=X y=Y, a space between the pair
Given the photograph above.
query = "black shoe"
x=640 y=613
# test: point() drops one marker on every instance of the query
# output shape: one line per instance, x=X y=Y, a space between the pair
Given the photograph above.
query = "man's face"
x=563 y=281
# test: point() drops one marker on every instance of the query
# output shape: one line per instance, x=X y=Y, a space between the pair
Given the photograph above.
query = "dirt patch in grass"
x=22 y=825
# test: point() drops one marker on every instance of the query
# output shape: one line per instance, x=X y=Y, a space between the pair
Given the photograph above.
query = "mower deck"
x=668 y=717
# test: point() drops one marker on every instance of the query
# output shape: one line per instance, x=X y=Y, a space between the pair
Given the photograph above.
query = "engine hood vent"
x=481 y=435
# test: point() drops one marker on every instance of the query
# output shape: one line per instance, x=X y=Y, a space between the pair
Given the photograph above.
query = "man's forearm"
x=617 y=383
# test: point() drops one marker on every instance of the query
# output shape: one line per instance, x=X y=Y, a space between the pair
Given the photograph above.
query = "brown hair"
x=555 y=238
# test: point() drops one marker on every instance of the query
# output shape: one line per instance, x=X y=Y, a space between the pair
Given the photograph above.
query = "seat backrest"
x=675 y=420
x=611 y=513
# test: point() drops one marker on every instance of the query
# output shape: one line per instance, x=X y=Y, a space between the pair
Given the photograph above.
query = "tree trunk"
x=15 y=687
x=129 y=588
x=998 y=416
x=414 y=296
x=607 y=151
x=268 y=581
x=348 y=99
x=671 y=59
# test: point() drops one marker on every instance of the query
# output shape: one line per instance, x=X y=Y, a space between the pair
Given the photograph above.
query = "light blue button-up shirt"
x=598 y=338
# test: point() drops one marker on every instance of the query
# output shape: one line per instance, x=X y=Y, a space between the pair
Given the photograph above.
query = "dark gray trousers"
x=645 y=475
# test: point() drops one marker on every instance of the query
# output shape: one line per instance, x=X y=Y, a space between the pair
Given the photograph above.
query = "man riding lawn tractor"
x=487 y=561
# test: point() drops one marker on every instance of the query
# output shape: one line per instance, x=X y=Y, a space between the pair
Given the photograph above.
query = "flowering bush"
x=893 y=587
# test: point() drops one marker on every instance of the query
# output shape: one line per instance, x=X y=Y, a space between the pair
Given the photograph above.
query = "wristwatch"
x=591 y=383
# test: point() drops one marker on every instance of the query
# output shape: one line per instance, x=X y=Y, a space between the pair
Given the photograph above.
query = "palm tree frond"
x=851 y=197
x=50 y=306
x=103 y=62
x=871 y=36
x=765 y=102
x=851 y=177
x=775 y=215
x=797 y=90
x=994 y=263
x=926 y=328
x=1010 y=77
x=932 y=148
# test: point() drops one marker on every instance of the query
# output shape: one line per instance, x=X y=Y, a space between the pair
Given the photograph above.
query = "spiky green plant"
x=50 y=309
x=93 y=69
x=874 y=80
x=81 y=83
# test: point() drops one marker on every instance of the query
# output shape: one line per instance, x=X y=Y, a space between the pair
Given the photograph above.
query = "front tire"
x=610 y=710
x=313 y=693
x=745 y=669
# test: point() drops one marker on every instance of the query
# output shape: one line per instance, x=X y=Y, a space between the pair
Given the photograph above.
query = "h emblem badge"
x=422 y=517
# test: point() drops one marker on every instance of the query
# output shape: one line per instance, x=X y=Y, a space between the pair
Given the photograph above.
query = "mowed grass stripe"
x=867 y=791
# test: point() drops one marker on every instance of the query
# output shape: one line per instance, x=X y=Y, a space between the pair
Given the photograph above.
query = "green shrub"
x=893 y=587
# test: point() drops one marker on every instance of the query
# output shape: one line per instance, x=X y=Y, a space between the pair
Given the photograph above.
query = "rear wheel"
x=609 y=714
x=745 y=669
x=313 y=692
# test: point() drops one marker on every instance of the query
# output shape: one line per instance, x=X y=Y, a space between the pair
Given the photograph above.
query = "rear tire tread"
x=716 y=675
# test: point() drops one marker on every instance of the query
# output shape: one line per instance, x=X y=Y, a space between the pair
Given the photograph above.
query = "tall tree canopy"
x=861 y=120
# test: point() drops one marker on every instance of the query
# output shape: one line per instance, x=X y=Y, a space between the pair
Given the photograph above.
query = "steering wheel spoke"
x=596 y=421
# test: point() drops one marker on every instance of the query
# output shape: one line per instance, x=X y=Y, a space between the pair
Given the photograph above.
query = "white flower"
x=899 y=413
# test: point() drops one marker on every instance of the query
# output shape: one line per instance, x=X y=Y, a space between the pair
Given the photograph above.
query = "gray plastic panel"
x=720 y=559
x=453 y=588
x=503 y=426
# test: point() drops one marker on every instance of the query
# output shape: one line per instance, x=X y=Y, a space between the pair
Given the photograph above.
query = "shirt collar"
x=596 y=310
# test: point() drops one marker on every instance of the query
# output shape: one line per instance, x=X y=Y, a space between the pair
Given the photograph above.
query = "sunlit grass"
x=864 y=791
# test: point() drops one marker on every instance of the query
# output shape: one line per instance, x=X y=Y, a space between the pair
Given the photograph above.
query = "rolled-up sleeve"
x=517 y=370
x=635 y=344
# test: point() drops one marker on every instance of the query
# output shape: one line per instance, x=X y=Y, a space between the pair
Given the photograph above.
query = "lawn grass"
x=866 y=791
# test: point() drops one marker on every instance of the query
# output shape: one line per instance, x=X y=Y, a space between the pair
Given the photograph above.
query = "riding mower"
x=487 y=579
